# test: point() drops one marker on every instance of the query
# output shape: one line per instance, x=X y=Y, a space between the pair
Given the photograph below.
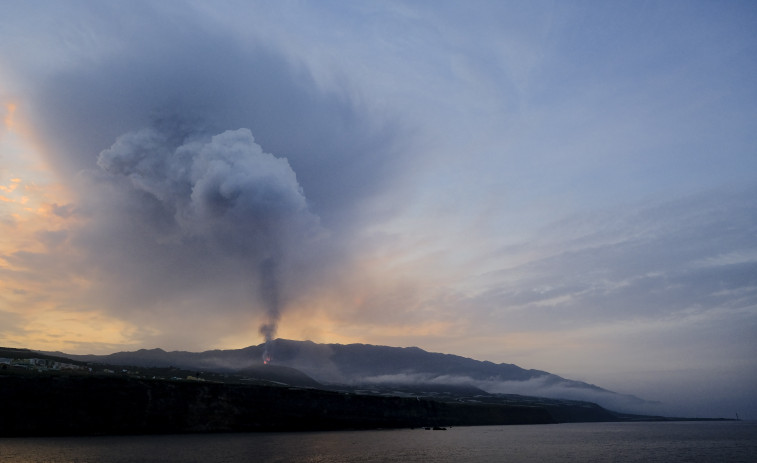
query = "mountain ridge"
x=368 y=365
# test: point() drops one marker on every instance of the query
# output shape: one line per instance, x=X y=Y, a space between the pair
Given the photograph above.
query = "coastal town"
x=25 y=362
x=40 y=365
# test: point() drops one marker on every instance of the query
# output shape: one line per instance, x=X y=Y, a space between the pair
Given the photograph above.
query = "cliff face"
x=67 y=405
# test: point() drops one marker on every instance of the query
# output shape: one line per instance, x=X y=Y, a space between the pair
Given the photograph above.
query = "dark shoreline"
x=80 y=405
x=95 y=405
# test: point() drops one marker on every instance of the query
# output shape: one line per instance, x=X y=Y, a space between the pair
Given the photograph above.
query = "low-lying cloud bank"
x=548 y=386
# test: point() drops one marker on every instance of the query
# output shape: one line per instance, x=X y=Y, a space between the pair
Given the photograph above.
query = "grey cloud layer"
x=652 y=261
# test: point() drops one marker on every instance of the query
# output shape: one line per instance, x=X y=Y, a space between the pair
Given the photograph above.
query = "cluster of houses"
x=42 y=365
x=38 y=364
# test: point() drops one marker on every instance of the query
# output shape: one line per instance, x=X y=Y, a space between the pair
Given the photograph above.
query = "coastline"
x=67 y=405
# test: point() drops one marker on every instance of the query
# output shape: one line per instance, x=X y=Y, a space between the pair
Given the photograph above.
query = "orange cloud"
x=14 y=182
x=9 y=118
x=35 y=308
x=73 y=331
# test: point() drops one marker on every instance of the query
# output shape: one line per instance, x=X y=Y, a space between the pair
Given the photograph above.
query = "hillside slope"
x=370 y=365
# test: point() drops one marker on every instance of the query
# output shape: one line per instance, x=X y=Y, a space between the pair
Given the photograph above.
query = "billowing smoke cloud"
x=186 y=233
x=219 y=193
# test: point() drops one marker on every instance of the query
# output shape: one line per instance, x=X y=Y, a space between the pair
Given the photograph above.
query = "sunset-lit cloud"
x=9 y=119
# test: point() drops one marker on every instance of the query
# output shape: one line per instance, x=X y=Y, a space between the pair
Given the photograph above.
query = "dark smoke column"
x=269 y=292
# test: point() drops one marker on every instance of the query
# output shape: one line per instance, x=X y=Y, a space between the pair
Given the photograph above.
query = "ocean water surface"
x=579 y=442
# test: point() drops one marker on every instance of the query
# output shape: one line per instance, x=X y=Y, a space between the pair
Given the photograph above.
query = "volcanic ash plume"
x=269 y=292
x=221 y=199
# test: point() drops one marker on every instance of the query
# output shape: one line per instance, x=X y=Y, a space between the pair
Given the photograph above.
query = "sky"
x=566 y=186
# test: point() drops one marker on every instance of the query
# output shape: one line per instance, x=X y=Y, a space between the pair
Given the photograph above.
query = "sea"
x=693 y=441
